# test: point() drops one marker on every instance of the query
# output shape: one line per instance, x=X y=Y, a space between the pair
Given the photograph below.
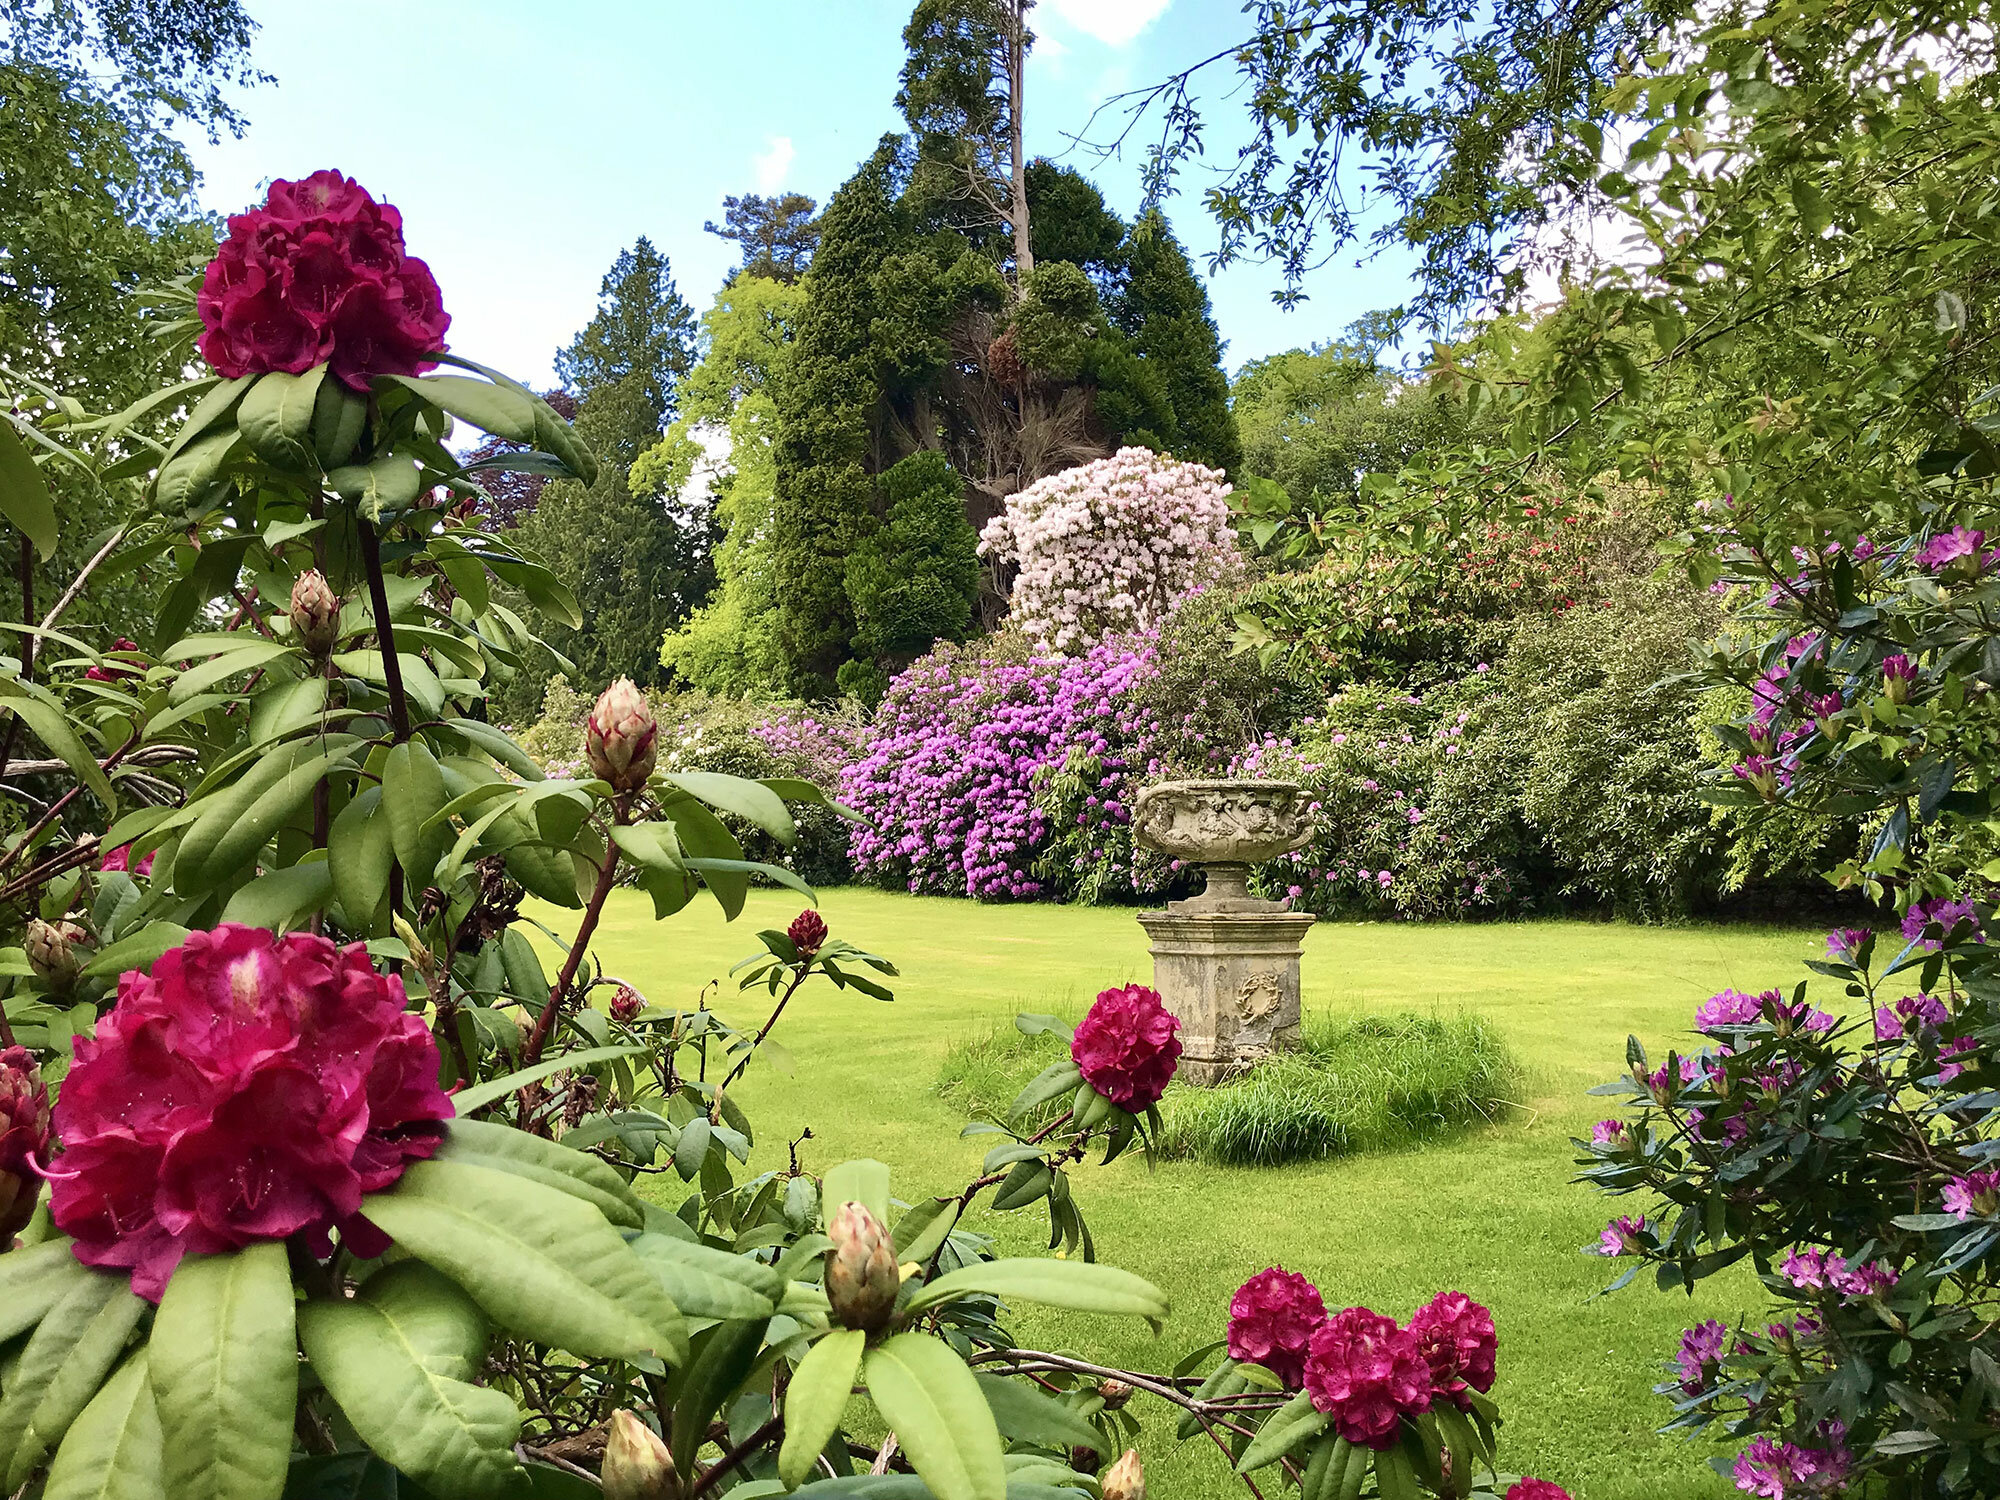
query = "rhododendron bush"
x=1110 y=546
x=317 y=1175
x=1840 y=1142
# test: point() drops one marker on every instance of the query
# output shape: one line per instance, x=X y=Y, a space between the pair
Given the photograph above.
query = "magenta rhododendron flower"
x=1458 y=1341
x=1775 y=1470
x=626 y=1004
x=1956 y=1057
x=1975 y=1193
x=1912 y=1013
x=1955 y=921
x=1844 y=944
x=1536 y=1489
x=1128 y=1047
x=1621 y=1236
x=1367 y=1374
x=1609 y=1133
x=1700 y=1355
x=1956 y=549
x=251 y=1088
x=120 y=861
x=1271 y=1321
x=807 y=932
x=320 y=274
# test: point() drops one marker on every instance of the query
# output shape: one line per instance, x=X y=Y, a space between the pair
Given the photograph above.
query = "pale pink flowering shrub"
x=1109 y=547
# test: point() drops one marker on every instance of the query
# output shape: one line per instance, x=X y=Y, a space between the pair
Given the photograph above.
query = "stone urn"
x=1225 y=962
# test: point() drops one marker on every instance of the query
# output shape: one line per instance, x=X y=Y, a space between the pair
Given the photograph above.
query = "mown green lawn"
x=1493 y=1213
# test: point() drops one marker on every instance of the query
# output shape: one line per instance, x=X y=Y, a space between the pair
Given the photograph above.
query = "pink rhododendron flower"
x=252 y=1087
x=1918 y=1013
x=320 y=274
x=1367 y=1374
x=24 y=1139
x=1271 y=1321
x=1128 y=1046
x=1458 y=1341
x=1956 y=1057
x=1111 y=546
x=1775 y=1470
x=1536 y=1489
x=1700 y=1355
x=1956 y=549
x=1609 y=1133
x=1844 y=944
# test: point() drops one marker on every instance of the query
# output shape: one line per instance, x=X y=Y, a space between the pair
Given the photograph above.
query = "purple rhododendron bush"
x=318 y=1177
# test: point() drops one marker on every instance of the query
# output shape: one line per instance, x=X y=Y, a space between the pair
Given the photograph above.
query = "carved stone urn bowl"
x=1225 y=962
x=1226 y=827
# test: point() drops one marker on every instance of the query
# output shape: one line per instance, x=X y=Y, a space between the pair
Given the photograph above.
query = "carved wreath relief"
x=1258 y=997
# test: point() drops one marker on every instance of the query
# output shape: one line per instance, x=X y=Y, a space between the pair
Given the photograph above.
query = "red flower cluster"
x=1367 y=1374
x=1127 y=1047
x=1458 y=1342
x=252 y=1088
x=24 y=1137
x=120 y=861
x=319 y=274
x=1271 y=1320
x=1536 y=1489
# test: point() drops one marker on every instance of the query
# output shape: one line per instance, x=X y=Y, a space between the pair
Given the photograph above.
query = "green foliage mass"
x=914 y=580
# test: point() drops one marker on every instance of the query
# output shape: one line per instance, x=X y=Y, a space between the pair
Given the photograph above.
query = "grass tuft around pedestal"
x=1372 y=1083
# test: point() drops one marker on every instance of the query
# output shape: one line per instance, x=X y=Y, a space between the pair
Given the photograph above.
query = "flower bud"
x=1115 y=1393
x=861 y=1275
x=52 y=951
x=621 y=738
x=626 y=1005
x=315 y=612
x=24 y=1134
x=1126 y=1479
x=807 y=932
x=637 y=1465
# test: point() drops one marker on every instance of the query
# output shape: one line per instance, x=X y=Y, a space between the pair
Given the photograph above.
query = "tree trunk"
x=1017 y=89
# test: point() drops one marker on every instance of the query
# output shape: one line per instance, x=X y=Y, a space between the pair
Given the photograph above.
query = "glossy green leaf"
x=276 y=418
x=251 y=653
x=481 y=1143
x=938 y=1412
x=1285 y=1431
x=114 y=1450
x=541 y=1263
x=137 y=950
x=223 y=1363
x=816 y=1400
x=185 y=479
x=281 y=898
x=1079 y=1286
x=73 y=1349
x=390 y=482
x=466 y=1101
x=236 y=821
x=413 y=792
x=340 y=416
x=708 y=1283
x=359 y=855
x=865 y=1182
x=1025 y=1415
x=33 y=1280
x=723 y=1358
x=24 y=494
x=48 y=725
x=400 y=1359
x=751 y=800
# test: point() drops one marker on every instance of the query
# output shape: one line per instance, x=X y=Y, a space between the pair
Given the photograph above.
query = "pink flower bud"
x=315 y=612
x=637 y=1465
x=1126 y=1479
x=52 y=951
x=861 y=1274
x=621 y=738
x=807 y=932
x=24 y=1134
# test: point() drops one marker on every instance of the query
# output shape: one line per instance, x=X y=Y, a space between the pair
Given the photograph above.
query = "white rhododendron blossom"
x=1110 y=547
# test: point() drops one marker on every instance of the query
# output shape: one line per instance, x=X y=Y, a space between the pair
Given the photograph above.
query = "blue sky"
x=527 y=142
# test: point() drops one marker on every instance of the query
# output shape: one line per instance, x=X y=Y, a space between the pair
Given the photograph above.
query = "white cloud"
x=1113 y=22
x=771 y=166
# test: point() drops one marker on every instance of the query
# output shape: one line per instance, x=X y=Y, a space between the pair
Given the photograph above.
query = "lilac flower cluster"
x=1956 y=921
x=1824 y=1270
x=947 y=781
x=1774 y=1470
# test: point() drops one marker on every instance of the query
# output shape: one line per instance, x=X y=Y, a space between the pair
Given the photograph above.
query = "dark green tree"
x=638 y=563
x=642 y=327
x=1164 y=311
x=828 y=426
x=777 y=235
x=913 y=581
x=964 y=84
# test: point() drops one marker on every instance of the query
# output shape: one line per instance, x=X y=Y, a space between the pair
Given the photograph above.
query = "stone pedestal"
x=1232 y=977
